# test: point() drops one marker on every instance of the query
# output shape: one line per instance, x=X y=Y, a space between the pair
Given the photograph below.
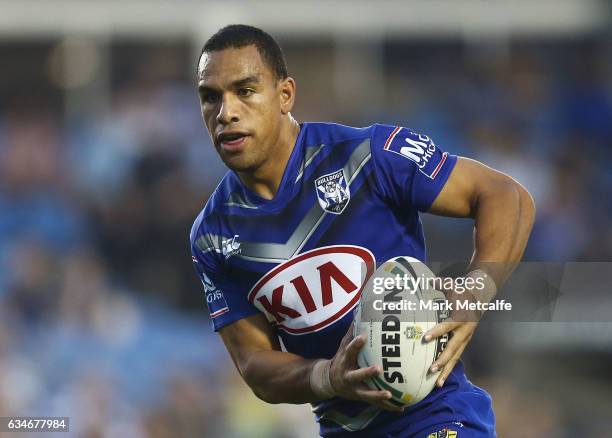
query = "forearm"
x=279 y=377
x=504 y=216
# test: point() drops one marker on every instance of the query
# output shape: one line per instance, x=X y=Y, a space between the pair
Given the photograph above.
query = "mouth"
x=231 y=141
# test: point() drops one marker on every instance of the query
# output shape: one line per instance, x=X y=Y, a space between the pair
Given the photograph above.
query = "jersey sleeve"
x=410 y=168
x=226 y=299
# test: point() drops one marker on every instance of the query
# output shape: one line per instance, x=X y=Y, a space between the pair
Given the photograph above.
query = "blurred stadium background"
x=104 y=163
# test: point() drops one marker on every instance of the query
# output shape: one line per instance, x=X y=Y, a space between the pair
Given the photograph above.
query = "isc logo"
x=213 y=295
x=311 y=291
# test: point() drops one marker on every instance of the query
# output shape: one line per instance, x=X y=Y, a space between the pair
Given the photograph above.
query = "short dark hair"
x=241 y=35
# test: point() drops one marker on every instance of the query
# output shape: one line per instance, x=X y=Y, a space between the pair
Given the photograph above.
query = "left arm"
x=503 y=213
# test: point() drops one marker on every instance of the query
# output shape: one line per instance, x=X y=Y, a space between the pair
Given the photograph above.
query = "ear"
x=287 y=94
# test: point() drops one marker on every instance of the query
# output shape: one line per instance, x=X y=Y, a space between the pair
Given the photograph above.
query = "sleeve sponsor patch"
x=418 y=148
x=217 y=305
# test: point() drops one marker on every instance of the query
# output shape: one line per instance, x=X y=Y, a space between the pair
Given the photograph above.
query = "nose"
x=228 y=111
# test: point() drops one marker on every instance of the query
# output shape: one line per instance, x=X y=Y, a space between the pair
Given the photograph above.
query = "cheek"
x=267 y=105
x=209 y=119
x=268 y=114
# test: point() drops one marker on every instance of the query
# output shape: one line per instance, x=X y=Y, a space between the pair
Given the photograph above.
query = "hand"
x=347 y=378
x=460 y=325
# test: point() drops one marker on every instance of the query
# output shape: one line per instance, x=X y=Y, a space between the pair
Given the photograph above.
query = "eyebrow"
x=236 y=84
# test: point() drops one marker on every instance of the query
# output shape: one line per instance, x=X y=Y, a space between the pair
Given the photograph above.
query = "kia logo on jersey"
x=314 y=289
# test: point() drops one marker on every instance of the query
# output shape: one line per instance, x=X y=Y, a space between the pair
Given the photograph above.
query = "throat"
x=264 y=188
x=265 y=181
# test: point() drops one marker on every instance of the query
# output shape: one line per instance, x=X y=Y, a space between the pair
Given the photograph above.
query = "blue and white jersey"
x=349 y=200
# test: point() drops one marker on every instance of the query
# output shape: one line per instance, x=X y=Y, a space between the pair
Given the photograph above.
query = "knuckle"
x=436 y=332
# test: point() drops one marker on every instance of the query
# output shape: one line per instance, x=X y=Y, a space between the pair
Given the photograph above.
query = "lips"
x=232 y=141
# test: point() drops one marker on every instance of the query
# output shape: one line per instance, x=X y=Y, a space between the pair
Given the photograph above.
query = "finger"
x=372 y=395
x=361 y=374
x=449 y=366
x=352 y=350
x=441 y=328
x=458 y=340
x=378 y=399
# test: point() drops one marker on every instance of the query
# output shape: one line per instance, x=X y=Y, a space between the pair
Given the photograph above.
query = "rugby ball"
x=398 y=305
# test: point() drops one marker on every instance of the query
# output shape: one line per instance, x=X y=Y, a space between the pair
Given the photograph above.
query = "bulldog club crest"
x=333 y=192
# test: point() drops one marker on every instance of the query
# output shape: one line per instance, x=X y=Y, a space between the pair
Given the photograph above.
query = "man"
x=277 y=243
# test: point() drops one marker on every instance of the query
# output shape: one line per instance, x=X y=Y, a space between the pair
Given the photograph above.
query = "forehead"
x=225 y=66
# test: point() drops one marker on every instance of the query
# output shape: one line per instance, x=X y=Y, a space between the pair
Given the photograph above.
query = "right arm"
x=281 y=377
x=273 y=375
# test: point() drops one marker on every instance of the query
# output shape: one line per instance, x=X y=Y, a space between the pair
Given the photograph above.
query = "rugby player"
x=278 y=244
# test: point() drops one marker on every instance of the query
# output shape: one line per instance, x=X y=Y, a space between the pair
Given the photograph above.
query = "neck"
x=266 y=180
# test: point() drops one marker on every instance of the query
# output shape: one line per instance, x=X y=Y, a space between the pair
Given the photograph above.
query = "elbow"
x=261 y=390
x=517 y=198
x=527 y=206
x=264 y=395
x=510 y=195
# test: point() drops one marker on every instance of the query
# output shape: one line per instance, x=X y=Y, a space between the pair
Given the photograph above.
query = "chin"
x=240 y=164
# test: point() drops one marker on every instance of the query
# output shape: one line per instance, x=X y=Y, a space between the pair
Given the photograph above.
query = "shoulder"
x=330 y=133
x=381 y=135
x=392 y=137
x=206 y=224
x=384 y=142
x=389 y=142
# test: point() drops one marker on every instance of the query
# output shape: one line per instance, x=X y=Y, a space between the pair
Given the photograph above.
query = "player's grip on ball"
x=346 y=378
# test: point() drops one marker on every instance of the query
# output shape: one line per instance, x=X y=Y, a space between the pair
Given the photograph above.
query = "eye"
x=245 y=92
x=210 y=98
